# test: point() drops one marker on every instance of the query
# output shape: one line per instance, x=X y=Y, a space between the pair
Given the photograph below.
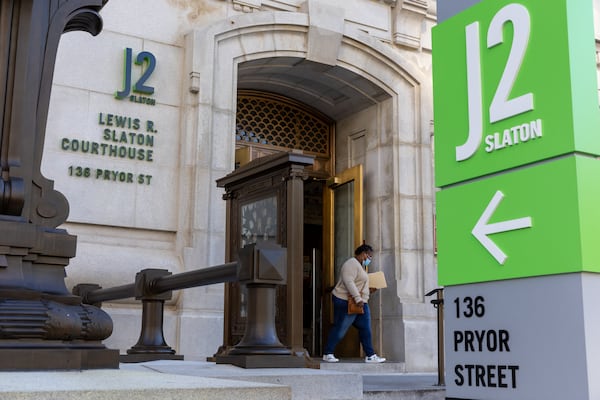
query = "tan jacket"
x=353 y=279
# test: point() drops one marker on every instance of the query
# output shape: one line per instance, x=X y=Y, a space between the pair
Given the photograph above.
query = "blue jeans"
x=341 y=323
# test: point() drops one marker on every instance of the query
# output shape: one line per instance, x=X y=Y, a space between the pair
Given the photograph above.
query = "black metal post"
x=151 y=344
x=260 y=336
x=263 y=266
x=438 y=303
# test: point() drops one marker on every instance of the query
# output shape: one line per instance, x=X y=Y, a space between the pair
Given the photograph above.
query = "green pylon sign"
x=517 y=139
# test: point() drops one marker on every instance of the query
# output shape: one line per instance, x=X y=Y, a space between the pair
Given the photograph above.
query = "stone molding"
x=325 y=32
x=248 y=6
x=409 y=16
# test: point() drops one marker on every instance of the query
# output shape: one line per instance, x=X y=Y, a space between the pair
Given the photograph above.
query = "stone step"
x=402 y=387
x=305 y=383
x=406 y=395
x=358 y=365
x=389 y=381
x=187 y=380
x=131 y=385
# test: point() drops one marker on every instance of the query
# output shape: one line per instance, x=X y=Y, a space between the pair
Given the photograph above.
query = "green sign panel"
x=535 y=221
x=514 y=83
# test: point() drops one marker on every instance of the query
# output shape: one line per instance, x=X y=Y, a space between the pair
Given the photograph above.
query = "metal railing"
x=153 y=287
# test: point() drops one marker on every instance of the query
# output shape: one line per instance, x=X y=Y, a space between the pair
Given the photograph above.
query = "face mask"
x=366 y=262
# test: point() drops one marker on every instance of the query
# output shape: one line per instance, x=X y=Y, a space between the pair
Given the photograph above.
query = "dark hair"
x=363 y=248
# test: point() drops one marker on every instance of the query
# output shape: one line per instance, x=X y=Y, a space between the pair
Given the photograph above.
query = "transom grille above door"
x=267 y=123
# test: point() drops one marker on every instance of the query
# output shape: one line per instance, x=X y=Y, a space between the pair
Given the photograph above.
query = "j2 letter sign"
x=148 y=62
x=511 y=85
x=501 y=106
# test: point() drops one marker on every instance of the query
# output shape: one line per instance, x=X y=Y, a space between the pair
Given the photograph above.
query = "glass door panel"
x=343 y=225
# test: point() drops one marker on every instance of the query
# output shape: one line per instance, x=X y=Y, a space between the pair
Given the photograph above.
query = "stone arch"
x=212 y=56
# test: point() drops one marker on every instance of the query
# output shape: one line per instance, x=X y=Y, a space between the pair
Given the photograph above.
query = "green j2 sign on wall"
x=512 y=86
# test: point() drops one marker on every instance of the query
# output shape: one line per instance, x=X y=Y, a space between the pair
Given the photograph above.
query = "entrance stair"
x=197 y=380
x=387 y=381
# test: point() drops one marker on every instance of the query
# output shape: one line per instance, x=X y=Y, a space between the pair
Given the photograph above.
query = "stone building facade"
x=142 y=123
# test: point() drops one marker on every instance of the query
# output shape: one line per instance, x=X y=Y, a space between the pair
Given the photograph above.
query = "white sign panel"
x=521 y=338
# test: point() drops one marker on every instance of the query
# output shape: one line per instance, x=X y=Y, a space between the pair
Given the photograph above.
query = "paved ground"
x=379 y=381
x=383 y=379
x=171 y=379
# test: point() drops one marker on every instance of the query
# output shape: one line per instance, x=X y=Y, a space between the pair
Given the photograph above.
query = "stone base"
x=262 y=361
x=136 y=358
x=548 y=328
x=58 y=359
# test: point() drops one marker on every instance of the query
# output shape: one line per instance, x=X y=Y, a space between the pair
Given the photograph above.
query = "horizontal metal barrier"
x=153 y=287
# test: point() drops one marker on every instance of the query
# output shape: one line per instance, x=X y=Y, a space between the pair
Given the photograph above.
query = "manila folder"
x=377 y=280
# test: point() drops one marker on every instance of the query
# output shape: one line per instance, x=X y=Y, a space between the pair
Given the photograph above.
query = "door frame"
x=353 y=174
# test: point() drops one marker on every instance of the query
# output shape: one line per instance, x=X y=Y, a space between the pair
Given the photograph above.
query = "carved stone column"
x=42 y=326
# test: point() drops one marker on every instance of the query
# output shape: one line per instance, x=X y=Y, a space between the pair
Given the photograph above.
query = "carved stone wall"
x=178 y=222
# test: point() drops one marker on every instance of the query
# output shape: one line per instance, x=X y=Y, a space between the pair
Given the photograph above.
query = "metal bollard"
x=263 y=266
x=151 y=344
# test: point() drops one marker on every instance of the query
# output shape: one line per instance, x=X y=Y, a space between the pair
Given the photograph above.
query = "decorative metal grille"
x=273 y=122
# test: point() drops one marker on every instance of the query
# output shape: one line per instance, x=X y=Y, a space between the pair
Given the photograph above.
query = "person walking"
x=354 y=282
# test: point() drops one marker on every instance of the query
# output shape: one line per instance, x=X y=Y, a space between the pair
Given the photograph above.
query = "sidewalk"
x=349 y=379
x=305 y=383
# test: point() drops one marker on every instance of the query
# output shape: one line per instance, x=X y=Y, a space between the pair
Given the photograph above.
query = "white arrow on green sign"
x=547 y=222
x=483 y=229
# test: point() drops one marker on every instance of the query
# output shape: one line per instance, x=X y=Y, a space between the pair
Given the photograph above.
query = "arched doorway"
x=369 y=83
x=268 y=123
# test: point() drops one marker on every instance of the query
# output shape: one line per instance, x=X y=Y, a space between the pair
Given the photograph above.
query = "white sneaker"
x=330 y=358
x=374 y=359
